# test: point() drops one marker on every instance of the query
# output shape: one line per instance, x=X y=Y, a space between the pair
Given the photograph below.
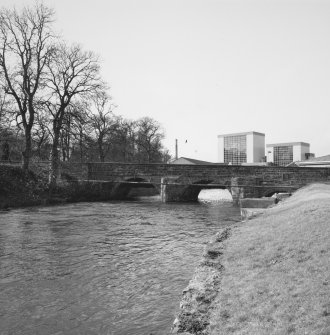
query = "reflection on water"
x=101 y=268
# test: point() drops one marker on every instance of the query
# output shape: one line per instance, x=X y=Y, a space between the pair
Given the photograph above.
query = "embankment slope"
x=275 y=271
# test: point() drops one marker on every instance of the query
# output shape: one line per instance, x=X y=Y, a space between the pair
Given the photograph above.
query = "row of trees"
x=54 y=103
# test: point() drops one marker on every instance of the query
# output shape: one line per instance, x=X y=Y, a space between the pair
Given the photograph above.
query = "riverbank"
x=22 y=189
x=19 y=189
x=267 y=275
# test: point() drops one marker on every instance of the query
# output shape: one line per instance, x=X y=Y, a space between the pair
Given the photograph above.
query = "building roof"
x=325 y=158
x=191 y=161
x=323 y=161
x=287 y=144
x=244 y=133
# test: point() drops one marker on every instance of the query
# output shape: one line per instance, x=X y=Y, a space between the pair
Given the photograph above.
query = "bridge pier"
x=241 y=188
x=172 y=192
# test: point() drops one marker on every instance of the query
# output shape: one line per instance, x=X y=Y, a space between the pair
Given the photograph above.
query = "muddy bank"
x=270 y=275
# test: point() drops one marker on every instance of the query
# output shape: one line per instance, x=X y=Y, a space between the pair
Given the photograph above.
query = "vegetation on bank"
x=21 y=188
x=275 y=272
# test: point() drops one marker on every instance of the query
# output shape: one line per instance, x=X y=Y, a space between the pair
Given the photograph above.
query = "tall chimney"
x=176 y=148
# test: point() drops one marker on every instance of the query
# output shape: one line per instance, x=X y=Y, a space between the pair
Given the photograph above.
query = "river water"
x=101 y=268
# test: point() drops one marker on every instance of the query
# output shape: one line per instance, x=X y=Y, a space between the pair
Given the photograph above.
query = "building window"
x=283 y=155
x=235 y=149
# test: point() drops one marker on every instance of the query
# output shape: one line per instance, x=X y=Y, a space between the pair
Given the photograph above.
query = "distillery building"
x=240 y=148
x=283 y=154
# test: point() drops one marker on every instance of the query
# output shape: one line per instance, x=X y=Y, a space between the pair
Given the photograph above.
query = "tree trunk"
x=39 y=145
x=54 y=162
x=81 y=145
x=5 y=151
x=101 y=151
x=27 y=150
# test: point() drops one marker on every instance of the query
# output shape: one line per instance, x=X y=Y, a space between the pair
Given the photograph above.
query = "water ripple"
x=101 y=268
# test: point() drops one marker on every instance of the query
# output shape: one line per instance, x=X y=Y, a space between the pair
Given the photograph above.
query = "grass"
x=276 y=277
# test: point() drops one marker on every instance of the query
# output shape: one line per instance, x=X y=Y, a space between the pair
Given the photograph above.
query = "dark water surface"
x=101 y=268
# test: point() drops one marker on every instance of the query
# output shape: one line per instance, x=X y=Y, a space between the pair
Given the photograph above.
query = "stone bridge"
x=184 y=182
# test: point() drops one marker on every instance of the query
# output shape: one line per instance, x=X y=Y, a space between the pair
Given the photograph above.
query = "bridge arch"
x=133 y=187
x=189 y=192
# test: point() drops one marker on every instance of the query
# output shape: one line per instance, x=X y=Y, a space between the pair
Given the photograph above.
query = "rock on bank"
x=275 y=273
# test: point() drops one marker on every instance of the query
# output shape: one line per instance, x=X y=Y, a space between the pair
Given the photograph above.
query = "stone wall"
x=178 y=180
x=212 y=173
x=184 y=182
x=105 y=181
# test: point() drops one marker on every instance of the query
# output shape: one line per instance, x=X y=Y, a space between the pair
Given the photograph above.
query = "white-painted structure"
x=240 y=148
x=286 y=153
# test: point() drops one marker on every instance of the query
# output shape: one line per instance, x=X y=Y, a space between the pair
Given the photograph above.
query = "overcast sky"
x=209 y=67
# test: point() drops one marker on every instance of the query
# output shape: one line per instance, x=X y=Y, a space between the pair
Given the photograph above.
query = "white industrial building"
x=283 y=154
x=240 y=148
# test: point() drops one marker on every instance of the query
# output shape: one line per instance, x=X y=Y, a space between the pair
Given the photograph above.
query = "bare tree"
x=5 y=107
x=73 y=73
x=124 y=139
x=102 y=122
x=3 y=104
x=74 y=127
x=41 y=134
x=66 y=134
x=166 y=156
x=81 y=131
x=149 y=139
x=24 y=52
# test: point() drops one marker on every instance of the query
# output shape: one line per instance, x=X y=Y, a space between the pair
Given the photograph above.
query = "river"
x=114 y=268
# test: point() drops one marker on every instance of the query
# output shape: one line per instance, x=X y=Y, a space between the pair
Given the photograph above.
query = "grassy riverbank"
x=275 y=271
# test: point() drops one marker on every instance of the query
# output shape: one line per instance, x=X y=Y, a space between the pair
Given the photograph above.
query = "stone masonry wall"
x=220 y=174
